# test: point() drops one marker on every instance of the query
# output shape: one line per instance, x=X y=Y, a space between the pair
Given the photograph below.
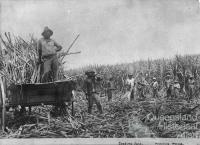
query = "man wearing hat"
x=181 y=80
x=177 y=88
x=191 y=87
x=109 y=88
x=167 y=80
x=155 y=87
x=168 y=85
x=130 y=82
x=47 y=50
x=89 y=88
x=99 y=85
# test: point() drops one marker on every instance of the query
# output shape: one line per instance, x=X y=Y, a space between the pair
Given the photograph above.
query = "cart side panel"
x=36 y=94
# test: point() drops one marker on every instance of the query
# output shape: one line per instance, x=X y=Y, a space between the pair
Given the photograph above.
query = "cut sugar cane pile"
x=114 y=122
x=19 y=60
x=121 y=118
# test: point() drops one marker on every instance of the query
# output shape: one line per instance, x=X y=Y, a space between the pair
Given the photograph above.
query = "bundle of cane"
x=19 y=58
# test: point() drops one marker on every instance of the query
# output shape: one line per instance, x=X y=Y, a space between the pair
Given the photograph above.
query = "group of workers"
x=173 y=87
x=179 y=86
x=137 y=86
x=48 y=64
x=48 y=48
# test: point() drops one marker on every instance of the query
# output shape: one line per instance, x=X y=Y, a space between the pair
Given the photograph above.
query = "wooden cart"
x=27 y=95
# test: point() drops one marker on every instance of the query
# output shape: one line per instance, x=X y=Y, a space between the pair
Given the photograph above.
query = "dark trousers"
x=155 y=93
x=92 y=98
x=50 y=69
x=109 y=93
x=132 y=94
x=141 y=93
x=190 y=91
x=169 y=92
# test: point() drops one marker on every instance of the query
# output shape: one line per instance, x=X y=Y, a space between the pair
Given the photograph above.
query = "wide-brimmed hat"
x=46 y=29
x=90 y=73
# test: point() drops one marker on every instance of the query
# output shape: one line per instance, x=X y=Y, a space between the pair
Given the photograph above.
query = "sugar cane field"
x=146 y=115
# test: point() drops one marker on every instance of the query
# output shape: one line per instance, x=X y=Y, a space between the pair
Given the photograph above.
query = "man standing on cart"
x=47 y=50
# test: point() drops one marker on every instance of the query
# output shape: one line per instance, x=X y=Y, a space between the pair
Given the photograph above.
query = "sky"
x=111 y=31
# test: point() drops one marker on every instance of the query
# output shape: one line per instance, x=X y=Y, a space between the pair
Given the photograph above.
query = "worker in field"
x=181 y=80
x=109 y=88
x=99 y=85
x=91 y=93
x=177 y=89
x=147 y=77
x=130 y=83
x=168 y=85
x=140 y=90
x=191 y=87
x=155 y=87
x=47 y=50
x=141 y=85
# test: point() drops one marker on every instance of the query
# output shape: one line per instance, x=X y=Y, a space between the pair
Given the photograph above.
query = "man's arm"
x=59 y=47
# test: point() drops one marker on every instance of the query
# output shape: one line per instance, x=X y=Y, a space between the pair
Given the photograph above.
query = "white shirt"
x=177 y=85
x=130 y=82
x=155 y=85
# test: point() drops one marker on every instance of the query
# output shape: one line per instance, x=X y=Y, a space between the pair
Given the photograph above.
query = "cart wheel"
x=3 y=105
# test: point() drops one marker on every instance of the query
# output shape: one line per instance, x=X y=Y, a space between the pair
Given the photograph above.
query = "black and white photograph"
x=123 y=72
